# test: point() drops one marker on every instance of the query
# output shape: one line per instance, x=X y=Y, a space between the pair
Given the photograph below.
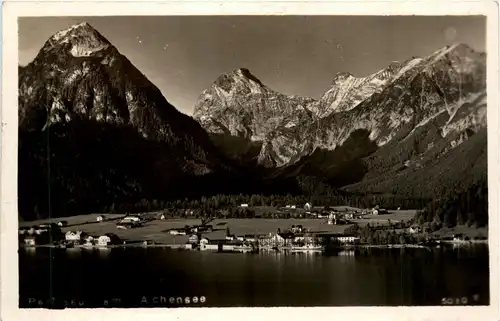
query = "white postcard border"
x=8 y=175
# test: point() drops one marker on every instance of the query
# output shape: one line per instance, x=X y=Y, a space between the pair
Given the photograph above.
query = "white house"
x=29 y=241
x=99 y=218
x=103 y=240
x=244 y=205
x=71 y=236
x=293 y=206
x=240 y=238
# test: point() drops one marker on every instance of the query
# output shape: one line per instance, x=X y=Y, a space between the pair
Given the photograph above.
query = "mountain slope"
x=78 y=74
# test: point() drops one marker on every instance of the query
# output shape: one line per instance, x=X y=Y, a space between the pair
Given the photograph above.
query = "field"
x=383 y=219
x=157 y=230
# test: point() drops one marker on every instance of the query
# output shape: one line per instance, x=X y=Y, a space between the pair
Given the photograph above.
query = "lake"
x=157 y=277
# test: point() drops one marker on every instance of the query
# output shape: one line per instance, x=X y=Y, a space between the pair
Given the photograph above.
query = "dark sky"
x=182 y=55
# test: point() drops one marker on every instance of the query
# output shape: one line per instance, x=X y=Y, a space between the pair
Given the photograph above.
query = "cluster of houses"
x=51 y=234
x=77 y=238
x=296 y=238
x=189 y=230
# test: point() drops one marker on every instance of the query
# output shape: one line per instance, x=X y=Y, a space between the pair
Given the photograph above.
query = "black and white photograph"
x=184 y=161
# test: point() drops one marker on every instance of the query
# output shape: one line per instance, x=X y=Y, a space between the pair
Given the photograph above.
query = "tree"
x=460 y=217
x=402 y=239
x=421 y=220
x=471 y=219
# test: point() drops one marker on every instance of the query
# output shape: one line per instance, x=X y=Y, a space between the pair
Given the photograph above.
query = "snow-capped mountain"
x=419 y=91
x=446 y=90
x=348 y=91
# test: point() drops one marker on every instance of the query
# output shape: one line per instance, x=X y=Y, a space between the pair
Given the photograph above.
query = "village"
x=306 y=229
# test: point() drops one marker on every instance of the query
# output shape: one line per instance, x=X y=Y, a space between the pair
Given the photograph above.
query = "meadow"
x=157 y=230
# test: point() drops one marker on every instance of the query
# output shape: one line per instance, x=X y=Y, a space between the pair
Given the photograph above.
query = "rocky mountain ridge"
x=444 y=92
x=404 y=94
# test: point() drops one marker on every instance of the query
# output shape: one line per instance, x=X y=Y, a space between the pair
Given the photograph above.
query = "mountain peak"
x=81 y=40
x=245 y=72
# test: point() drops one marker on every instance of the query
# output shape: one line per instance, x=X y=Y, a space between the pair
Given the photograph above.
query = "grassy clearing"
x=383 y=219
x=156 y=230
x=72 y=220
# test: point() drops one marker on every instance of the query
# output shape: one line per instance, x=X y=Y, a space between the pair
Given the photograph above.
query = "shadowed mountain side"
x=238 y=148
x=339 y=167
x=85 y=166
x=433 y=174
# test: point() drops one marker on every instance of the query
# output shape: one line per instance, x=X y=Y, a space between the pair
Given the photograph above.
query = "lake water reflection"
x=140 y=277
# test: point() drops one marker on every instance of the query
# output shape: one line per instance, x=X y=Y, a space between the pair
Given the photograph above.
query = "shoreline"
x=190 y=247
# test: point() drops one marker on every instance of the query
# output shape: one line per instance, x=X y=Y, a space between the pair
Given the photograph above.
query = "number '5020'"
x=451 y=301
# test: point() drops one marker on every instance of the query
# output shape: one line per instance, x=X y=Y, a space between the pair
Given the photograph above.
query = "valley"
x=96 y=136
